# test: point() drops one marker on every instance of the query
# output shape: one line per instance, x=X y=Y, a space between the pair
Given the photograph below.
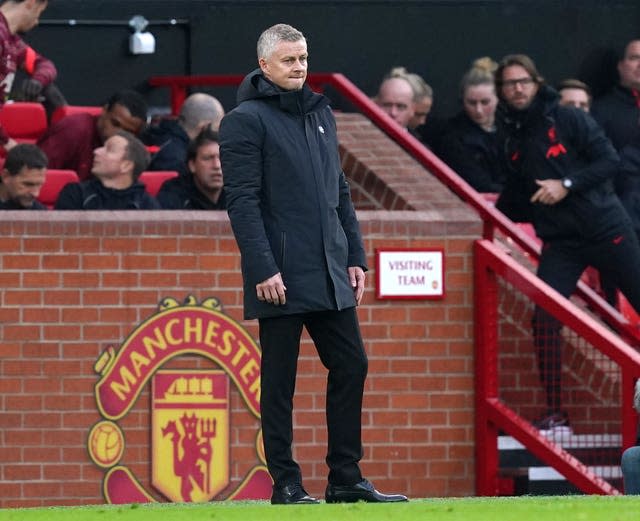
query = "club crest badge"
x=189 y=435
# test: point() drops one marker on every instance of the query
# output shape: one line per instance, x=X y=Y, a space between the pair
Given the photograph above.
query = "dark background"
x=361 y=39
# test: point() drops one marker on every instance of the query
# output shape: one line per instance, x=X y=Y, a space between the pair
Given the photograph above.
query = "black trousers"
x=561 y=265
x=337 y=338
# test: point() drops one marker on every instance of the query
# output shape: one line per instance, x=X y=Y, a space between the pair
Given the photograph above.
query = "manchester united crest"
x=190 y=414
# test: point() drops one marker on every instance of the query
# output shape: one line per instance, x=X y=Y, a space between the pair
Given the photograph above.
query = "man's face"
x=629 y=66
x=33 y=10
x=287 y=65
x=118 y=118
x=395 y=97
x=518 y=87
x=206 y=168
x=479 y=102
x=109 y=160
x=24 y=187
x=420 y=113
x=577 y=98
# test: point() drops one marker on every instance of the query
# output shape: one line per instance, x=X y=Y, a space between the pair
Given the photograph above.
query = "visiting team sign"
x=410 y=273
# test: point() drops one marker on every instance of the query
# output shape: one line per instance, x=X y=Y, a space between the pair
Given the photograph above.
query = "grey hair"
x=274 y=34
x=200 y=107
x=421 y=89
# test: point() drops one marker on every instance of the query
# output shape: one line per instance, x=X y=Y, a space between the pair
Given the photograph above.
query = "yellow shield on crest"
x=190 y=434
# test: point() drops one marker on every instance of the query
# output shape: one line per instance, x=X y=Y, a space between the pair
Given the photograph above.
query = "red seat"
x=152 y=180
x=67 y=110
x=55 y=181
x=24 y=121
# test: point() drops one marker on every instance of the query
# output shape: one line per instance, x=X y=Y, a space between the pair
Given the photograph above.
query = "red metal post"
x=486 y=374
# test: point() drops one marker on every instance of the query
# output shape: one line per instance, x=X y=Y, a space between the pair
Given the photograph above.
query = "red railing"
x=491 y=413
x=493 y=263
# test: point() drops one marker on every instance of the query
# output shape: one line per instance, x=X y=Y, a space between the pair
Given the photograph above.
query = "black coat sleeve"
x=241 y=142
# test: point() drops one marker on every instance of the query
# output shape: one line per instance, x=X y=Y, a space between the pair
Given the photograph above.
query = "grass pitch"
x=523 y=508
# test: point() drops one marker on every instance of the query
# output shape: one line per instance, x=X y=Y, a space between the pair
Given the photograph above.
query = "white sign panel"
x=410 y=273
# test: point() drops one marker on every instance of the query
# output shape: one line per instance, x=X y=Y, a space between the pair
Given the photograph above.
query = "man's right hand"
x=272 y=290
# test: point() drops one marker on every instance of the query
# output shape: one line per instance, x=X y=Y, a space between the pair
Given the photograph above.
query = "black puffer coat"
x=288 y=199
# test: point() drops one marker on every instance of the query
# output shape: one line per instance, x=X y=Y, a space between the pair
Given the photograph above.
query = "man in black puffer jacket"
x=303 y=259
x=560 y=172
x=116 y=168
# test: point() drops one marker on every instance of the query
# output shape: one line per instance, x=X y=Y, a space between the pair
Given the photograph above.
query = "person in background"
x=23 y=175
x=18 y=17
x=618 y=113
x=471 y=146
x=560 y=172
x=396 y=97
x=303 y=260
x=422 y=95
x=575 y=93
x=630 y=462
x=172 y=136
x=116 y=167
x=70 y=142
x=202 y=188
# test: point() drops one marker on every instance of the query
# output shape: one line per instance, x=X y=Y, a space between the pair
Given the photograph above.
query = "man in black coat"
x=618 y=112
x=303 y=259
x=560 y=168
x=23 y=175
x=203 y=187
x=115 y=186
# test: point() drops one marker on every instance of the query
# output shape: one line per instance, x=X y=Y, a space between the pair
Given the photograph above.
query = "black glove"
x=31 y=89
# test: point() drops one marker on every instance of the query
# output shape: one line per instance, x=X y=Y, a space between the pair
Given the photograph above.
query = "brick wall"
x=79 y=282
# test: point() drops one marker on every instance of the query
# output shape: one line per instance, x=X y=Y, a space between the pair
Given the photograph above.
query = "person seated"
x=70 y=142
x=16 y=18
x=470 y=145
x=172 y=136
x=422 y=95
x=396 y=97
x=23 y=175
x=575 y=93
x=116 y=168
x=630 y=463
x=202 y=188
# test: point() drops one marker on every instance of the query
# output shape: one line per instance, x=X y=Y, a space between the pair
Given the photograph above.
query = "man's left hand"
x=550 y=192
x=31 y=89
x=356 y=277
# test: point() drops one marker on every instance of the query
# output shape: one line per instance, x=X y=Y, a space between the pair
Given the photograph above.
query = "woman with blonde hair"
x=470 y=145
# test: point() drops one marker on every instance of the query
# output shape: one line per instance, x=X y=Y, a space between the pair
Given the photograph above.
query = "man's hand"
x=356 y=277
x=550 y=192
x=272 y=290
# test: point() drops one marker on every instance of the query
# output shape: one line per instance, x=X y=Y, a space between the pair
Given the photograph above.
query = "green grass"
x=555 y=508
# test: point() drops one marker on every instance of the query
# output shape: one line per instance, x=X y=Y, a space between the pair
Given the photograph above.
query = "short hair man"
x=397 y=98
x=173 y=136
x=560 y=166
x=70 y=142
x=303 y=259
x=116 y=168
x=202 y=188
x=618 y=112
x=18 y=17
x=575 y=93
x=23 y=175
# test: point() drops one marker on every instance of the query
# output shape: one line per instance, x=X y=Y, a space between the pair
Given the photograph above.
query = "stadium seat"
x=152 y=180
x=67 y=110
x=24 y=121
x=55 y=181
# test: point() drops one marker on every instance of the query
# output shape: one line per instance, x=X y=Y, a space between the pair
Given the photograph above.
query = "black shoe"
x=292 y=495
x=363 y=491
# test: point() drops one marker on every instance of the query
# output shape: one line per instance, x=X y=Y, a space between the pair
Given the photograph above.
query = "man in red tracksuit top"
x=17 y=17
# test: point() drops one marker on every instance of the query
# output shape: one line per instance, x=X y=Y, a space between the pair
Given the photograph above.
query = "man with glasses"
x=560 y=167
